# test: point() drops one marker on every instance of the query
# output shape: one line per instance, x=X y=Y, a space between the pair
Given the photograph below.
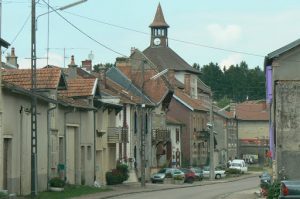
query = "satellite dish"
x=91 y=56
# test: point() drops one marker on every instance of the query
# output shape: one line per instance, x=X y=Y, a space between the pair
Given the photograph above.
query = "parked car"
x=198 y=172
x=289 y=189
x=161 y=174
x=265 y=182
x=239 y=165
x=189 y=175
x=219 y=173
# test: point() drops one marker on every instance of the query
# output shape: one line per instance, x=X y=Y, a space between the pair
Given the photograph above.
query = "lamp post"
x=143 y=158
x=211 y=142
x=58 y=9
x=34 y=179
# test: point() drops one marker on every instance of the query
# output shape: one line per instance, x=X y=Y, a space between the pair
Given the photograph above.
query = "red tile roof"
x=252 y=110
x=79 y=87
x=194 y=103
x=47 y=78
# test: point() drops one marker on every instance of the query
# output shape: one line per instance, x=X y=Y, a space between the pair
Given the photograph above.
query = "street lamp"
x=34 y=143
x=54 y=10
x=143 y=161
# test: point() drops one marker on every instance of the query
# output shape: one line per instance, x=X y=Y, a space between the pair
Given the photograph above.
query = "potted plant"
x=56 y=184
x=178 y=179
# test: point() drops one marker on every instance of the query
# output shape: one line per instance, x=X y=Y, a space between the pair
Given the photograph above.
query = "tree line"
x=237 y=83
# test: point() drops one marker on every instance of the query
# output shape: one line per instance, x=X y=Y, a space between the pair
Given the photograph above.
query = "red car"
x=190 y=176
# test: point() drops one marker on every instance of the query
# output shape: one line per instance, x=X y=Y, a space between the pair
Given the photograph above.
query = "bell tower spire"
x=159 y=29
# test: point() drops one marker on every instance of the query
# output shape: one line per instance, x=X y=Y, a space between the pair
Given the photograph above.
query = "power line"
x=19 y=32
x=177 y=40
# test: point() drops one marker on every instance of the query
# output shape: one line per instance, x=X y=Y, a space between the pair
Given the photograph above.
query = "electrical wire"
x=17 y=35
x=173 y=39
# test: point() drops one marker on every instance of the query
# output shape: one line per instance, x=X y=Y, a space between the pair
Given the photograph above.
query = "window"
x=146 y=123
x=135 y=122
x=177 y=135
x=89 y=152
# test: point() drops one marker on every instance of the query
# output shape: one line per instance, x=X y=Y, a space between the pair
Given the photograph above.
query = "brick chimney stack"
x=123 y=64
x=87 y=65
x=12 y=59
x=171 y=77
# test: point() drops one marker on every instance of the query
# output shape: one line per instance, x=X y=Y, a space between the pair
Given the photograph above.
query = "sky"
x=201 y=31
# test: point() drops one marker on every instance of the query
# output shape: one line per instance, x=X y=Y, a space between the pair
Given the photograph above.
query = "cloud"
x=231 y=60
x=223 y=35
x=54 y=59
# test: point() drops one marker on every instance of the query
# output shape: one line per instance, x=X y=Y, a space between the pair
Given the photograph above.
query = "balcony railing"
x=117 y=135
x=160 y=135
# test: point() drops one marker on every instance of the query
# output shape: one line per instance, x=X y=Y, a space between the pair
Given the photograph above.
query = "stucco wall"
x=253 y=129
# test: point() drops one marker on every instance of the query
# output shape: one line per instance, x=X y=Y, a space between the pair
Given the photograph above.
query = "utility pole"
x=143 y=162
x=33 y=105
x=211 y=142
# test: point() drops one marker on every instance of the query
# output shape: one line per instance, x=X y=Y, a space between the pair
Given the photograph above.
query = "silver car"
x=165 y=172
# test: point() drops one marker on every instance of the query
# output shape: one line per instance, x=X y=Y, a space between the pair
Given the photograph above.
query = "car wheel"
x=190 y=180
x=218 y=176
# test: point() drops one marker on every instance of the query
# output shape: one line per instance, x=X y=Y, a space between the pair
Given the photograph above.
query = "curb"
x=145 y=190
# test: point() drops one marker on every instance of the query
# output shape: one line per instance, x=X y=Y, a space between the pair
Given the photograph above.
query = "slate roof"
x=80 y=87
x=47 y=78
x=159 y=19
x=195 y=104
x=165 y=58
x=252 y=110
x=118 y=77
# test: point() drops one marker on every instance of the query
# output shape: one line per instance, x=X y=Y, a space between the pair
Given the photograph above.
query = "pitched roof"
x=165 y=58
x=159 y=20
x=252 y=110
x=80 y=87
x=47 y=78
x=284 y=49
x=121 y=79
x=193 y=104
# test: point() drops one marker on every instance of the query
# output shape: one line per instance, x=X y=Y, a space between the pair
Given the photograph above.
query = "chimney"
x=12 y=59
x=132 y=50
x=72 y=68
x=171 y=77
x=187 y=83
x=123 y=64
x=87 y=65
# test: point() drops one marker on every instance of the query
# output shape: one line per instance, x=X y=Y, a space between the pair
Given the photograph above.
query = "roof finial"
x=159 y=20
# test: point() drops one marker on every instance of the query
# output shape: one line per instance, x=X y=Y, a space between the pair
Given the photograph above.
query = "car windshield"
x=236 y=165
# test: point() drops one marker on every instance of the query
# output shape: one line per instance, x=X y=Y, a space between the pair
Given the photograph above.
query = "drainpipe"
x=65 y=140
x=49 y=132
x=21 y=145
x=94 y=145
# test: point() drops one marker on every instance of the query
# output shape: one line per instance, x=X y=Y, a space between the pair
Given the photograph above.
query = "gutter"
x=48 y=142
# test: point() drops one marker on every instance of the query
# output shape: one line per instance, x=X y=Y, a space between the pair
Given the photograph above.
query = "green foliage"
x=178 y=177
x=3 y=195
x=237 y=83
x=118 y=175
x=274 y=190
x=100 y=66
x=56 y=182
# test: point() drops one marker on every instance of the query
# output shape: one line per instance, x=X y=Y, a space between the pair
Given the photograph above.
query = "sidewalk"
x=130 y=188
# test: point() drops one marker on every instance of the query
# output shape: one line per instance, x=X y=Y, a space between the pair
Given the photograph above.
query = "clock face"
x=156 y=41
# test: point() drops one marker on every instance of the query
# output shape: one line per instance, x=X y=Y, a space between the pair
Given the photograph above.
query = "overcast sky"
x=255 y=27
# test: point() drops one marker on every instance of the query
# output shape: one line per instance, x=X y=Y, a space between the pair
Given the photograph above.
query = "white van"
x=239 y=165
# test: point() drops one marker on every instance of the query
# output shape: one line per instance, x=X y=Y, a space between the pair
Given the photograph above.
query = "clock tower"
x=159 y=30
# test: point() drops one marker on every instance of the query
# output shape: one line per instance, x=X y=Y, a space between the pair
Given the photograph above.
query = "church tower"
x=159 y=30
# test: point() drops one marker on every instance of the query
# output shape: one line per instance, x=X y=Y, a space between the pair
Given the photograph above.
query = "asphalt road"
x=213 y=191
